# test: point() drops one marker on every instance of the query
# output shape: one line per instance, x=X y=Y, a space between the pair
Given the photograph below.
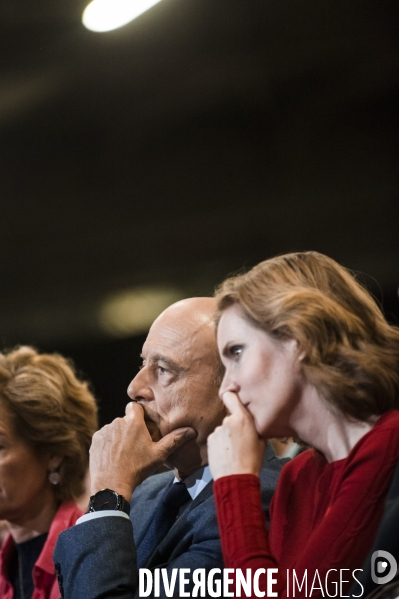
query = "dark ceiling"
x=203 y=137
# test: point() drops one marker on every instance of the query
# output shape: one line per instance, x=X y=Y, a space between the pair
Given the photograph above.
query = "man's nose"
x=138 y=387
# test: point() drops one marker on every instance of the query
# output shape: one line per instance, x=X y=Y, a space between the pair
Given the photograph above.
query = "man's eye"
x=162 y=370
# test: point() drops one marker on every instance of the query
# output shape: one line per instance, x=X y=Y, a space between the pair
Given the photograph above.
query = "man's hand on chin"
x=153 y=429
x=123 y=453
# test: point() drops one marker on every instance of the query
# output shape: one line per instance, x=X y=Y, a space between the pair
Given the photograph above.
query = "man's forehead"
x=165 y=339
x=180 y=339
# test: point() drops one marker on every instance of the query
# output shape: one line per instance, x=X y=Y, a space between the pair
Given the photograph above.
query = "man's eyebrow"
x=156 y=358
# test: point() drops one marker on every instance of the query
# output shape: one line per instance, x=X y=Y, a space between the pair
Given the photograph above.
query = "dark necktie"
x=164 y=518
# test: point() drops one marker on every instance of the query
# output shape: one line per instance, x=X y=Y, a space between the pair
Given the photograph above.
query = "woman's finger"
x=232 y=403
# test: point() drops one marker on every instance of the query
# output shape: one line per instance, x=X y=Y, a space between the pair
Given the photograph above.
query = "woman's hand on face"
x=235 y=447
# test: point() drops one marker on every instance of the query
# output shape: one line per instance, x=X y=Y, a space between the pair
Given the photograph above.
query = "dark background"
x=203 y=137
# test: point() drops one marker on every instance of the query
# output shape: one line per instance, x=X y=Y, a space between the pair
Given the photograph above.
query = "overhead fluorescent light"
x=106 y=15
x=132 y=311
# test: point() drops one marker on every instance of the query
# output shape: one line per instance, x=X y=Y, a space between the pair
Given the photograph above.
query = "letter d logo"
x=383 y=567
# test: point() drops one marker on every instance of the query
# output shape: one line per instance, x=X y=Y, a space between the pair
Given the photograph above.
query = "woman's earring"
x=54 y=477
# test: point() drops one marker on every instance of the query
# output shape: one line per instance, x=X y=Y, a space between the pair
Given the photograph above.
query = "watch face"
x=104 y=500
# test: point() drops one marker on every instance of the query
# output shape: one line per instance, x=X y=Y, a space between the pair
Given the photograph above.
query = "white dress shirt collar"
x=197 y=481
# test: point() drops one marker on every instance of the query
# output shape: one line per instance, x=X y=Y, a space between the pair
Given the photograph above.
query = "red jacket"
x=44 y=577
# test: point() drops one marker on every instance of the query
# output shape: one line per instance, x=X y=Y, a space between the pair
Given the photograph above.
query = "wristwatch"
x=108 y=500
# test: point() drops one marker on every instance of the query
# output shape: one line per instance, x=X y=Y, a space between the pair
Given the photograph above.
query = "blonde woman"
x=47 y=419
x=308 y=354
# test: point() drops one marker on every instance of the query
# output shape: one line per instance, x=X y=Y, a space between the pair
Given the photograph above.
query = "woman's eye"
x=235 y=351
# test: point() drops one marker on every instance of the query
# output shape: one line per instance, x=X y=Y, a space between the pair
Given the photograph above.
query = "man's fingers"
x=133 y=408
x=175 y=439
x=232 y=403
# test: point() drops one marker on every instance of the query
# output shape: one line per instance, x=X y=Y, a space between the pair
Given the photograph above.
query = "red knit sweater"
x=323 y=516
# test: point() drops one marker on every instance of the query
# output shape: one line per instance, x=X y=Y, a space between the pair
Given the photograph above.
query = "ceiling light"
x=105 y=15
x=133 y=311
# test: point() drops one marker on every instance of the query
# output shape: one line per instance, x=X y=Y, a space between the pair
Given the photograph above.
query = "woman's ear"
x=54 y=462
x=301 y=354
x=293 y=347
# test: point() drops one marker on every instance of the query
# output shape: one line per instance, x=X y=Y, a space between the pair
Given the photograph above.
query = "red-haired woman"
x=308 y=354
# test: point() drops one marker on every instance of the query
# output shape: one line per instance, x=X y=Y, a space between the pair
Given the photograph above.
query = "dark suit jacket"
x=387 y=539
x=97 y=559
